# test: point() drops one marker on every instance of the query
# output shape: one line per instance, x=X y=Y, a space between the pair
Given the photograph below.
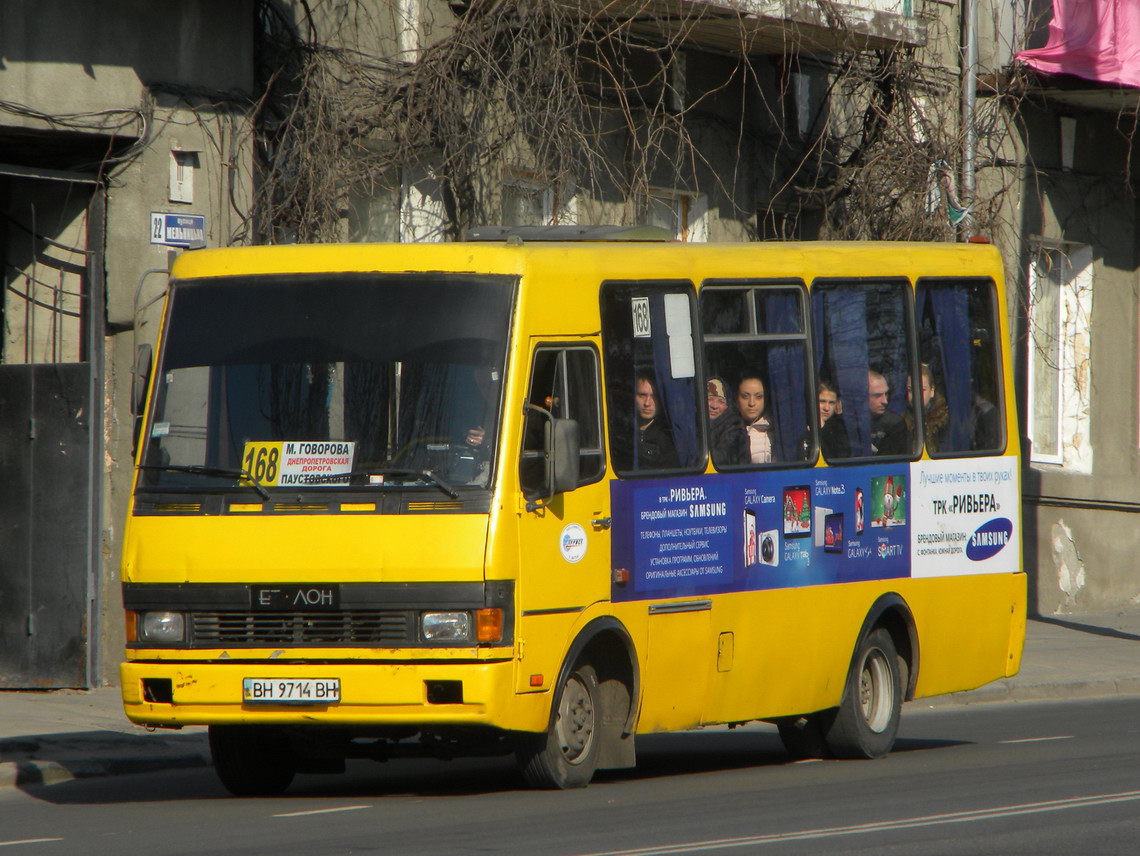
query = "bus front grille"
x=356 y=627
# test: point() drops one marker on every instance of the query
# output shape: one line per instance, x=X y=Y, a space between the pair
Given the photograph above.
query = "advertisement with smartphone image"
x=787 y=528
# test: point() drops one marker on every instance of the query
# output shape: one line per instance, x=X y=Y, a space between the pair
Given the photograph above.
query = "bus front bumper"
x=424 y=695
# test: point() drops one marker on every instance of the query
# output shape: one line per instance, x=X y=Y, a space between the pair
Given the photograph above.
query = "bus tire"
x=805 y=737
x=251 y=761
x=566 y=756
x=867 y=719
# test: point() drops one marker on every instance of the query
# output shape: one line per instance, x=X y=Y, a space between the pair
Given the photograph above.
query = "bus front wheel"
x=251 y=761
x=868 y=717
x=566 y=756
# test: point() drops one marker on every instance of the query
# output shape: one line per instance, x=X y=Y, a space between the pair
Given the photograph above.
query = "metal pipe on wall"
x=969 y=22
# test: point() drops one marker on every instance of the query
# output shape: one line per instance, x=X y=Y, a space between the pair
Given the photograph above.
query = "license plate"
x=290 y=690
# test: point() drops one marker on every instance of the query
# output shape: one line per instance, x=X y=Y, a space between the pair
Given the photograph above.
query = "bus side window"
x=653 y=395
x=958 y=347
x=563 y=380
x=755 y=344
x=864 y=345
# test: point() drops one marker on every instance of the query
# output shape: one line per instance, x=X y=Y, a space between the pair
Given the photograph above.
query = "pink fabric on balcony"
x=1094 y=39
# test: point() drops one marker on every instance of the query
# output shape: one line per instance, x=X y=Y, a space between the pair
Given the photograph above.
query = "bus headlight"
x=162 y=627
x=446 y=626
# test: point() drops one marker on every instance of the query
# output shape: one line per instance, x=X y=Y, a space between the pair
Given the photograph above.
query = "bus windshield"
x=322 y=381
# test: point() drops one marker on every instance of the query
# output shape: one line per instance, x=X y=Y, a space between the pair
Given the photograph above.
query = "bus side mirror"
x=563 y=460
x=561 y=449
x=140 y=378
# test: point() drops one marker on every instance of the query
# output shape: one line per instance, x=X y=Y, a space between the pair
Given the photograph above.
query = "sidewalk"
x=55 y=736
x=49 y=737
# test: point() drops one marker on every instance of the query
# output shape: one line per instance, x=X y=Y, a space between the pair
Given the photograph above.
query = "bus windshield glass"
x=322 y=381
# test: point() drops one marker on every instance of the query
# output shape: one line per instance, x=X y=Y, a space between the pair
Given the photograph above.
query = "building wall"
x=133 y=80
x=1081 y=502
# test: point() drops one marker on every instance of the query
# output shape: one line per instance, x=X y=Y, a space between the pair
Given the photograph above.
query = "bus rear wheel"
x=867 y=719
x=566 y=756
x=252 y=761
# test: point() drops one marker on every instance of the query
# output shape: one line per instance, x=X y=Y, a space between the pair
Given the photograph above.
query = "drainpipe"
x=969 y=98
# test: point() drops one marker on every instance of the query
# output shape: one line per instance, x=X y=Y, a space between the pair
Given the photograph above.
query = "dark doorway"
x=51 y=238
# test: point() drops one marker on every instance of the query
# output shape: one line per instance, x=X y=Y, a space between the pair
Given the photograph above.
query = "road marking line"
x=1038 y=739
x=881 y=826
x=28 y=841
x=322 y=811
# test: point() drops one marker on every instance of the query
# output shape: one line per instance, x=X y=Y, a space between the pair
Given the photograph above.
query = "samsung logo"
x=989 y=539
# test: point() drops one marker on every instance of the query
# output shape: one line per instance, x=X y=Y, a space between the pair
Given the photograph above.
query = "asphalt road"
x=1019 y=778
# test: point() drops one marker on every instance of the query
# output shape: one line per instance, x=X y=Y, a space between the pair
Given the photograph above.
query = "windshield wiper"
x=423 y=475
x=203 y=470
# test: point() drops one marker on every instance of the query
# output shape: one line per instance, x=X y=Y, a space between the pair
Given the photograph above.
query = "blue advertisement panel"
x=701 y=535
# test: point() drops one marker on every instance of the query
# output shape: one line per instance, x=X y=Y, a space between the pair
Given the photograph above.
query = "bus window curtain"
x=675 y=395
x=786 y=376
x=366 y=406
x=840 y=320
x=951 y=312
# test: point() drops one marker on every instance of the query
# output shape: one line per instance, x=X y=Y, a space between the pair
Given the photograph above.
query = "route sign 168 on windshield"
x=291 y=462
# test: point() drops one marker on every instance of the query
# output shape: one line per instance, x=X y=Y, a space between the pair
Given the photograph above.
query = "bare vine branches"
x=607 y=105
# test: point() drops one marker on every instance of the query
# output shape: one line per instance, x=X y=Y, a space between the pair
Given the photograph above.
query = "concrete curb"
x=32 y=772
x=63 y=756
x=1006 y=691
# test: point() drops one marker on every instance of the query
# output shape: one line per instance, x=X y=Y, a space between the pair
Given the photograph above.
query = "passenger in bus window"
x=655 y=449
x=833 y=440
x=752 y=405
x=935 y=413
x=727 y=440
x=888 y=431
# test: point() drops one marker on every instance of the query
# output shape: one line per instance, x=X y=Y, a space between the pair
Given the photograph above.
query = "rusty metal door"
x=51 y=238
x=45 y=524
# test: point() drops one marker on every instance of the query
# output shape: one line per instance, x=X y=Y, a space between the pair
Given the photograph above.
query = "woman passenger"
x=833 y=440
x=752 y=404
x=727 y=441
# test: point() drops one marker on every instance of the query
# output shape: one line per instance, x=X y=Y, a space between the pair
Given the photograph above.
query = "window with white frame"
x=409 y=28
x=374 y=215
x=1060 y=315
x=685 y=215
x=810 y=86
x=422 y=213
x=528 y=201
x=406 y=210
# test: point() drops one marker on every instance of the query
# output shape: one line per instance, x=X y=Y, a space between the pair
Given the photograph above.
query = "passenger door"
x=564 y=541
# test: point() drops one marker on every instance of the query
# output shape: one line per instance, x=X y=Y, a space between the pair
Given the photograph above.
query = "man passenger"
x=888 y=431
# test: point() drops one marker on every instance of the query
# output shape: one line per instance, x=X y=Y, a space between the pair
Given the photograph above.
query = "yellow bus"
x=541 y=491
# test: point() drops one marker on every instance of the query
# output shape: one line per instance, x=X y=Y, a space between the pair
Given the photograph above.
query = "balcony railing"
x=774 y=26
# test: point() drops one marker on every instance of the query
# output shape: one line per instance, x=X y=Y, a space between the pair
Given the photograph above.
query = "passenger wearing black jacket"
x=655 y=448
x=727 y=440
x=888 y=431
x=833 y=440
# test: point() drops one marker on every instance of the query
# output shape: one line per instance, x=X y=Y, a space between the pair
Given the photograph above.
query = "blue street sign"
x=178 y=230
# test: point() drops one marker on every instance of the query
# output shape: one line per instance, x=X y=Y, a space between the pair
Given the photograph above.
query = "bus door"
x=564 y=540
x=656 y=403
